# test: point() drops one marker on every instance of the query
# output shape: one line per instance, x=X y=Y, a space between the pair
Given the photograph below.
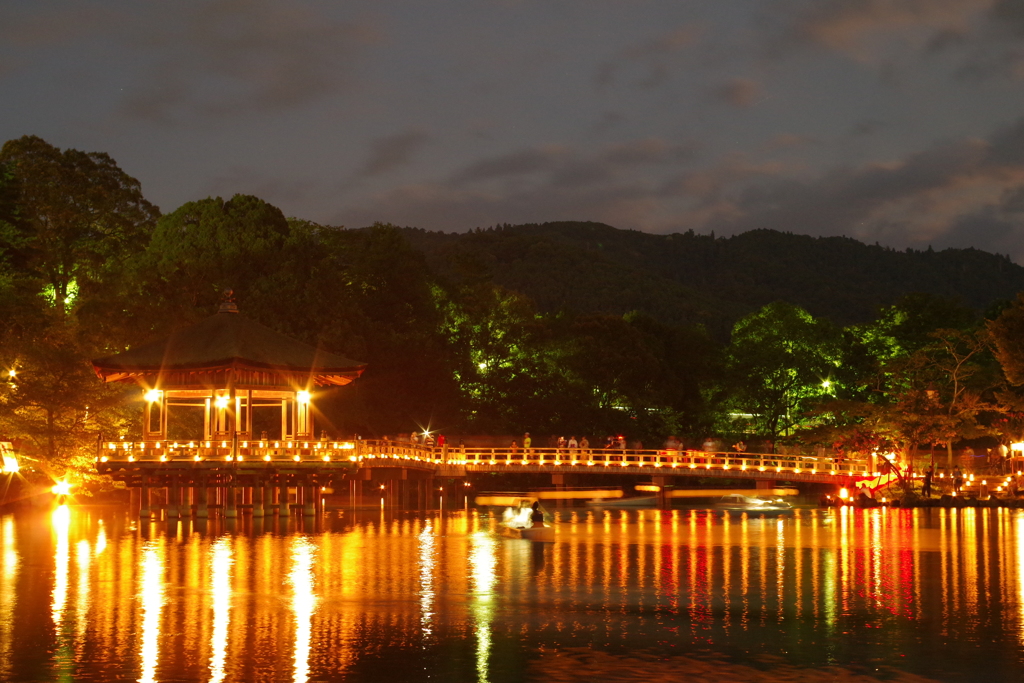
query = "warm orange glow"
x=844 y=494
x=62 y=488
x=154 y=395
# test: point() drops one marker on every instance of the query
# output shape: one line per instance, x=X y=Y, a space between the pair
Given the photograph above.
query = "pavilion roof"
x=227 y=340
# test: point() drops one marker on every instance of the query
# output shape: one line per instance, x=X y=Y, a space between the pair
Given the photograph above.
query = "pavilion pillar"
x=144 y=501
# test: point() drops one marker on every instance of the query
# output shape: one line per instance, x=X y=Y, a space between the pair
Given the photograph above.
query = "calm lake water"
x=91 y=594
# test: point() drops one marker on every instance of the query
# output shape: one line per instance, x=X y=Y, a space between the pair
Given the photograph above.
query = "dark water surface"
x=91 y=594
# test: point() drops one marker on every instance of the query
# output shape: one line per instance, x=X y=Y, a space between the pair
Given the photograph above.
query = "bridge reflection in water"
x=416 y=597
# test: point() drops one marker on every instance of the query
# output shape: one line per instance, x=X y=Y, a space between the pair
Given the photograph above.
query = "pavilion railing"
x=511 y=458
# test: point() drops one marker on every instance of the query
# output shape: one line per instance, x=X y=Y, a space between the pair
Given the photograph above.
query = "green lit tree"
x=78 y=216
x=780 y=361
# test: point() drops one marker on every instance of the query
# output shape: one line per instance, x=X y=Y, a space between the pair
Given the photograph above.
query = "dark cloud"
x=936 y=196
x=956 y=193
x=525 y=162
x=392 y=151
x=866 y=127
x=563 y=165
x=543 y=183
x=232 y=56
x=648 y=61
x=738 y=92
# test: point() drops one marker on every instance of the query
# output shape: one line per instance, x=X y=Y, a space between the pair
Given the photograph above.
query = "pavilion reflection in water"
x=219 y=605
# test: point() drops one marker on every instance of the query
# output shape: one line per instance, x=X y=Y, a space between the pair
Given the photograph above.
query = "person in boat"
x=536 y=517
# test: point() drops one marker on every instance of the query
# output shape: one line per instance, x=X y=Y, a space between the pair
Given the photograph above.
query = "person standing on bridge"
x=584 y=444
x=573 y=444
x=527 y=442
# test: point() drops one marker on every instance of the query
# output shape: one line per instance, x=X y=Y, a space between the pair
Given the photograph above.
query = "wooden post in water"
x=269 y=504
x=144 y=501
x=202 y=509
x=309 y=493
x=257 y=499
x=230 y=511
x=172 y=498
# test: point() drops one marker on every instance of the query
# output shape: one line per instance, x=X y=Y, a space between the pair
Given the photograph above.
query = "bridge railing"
x=671 y=459
x=227 y=450
x=513 y=458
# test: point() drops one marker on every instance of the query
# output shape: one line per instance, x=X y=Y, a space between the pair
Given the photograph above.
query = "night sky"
x=896 y=121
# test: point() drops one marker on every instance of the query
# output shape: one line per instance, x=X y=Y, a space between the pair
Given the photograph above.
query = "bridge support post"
x=257 y=499
x=230 y=511
x=144 y=501
x=309 y=504
x=269 y=504
x=560 y=481
x=764 y=484
x=664 y=484
x=173 y=495
x=202 y=493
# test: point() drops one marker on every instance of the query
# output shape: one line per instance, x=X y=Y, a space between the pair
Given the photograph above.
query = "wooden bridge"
x=264 y=476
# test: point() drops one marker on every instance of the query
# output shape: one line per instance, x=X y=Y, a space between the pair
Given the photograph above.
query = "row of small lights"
x=589 y=463
x=128 y=445
x=222 y=401
x=349 y=446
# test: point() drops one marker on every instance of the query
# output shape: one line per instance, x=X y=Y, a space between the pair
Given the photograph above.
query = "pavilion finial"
x=227 y=304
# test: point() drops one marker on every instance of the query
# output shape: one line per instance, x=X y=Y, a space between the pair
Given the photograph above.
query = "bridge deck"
x=251 y=456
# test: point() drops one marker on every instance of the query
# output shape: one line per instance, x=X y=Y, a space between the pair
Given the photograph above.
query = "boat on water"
x=517 y=523
x=541 y=534
x=754 y=506
x=627 y=503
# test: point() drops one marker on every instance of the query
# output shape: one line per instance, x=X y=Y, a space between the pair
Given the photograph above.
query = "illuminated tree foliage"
x=780 y=361
x=1008 y=337
x=77 y=217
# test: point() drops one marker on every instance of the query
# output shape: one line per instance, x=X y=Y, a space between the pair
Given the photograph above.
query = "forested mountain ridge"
x=689 y=278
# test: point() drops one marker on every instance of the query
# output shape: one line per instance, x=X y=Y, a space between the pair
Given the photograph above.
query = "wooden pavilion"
x=229 y=365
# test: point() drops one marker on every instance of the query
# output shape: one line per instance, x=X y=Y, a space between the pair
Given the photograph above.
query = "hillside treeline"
x=564 y=328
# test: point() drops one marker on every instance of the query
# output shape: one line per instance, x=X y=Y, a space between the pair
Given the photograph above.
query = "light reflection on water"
x=417 y=597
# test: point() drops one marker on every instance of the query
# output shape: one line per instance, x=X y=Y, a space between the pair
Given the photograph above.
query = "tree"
x=78 y=215
x=54 y=402
x=207 y=246
x=1007 y=332
x=779 y=361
